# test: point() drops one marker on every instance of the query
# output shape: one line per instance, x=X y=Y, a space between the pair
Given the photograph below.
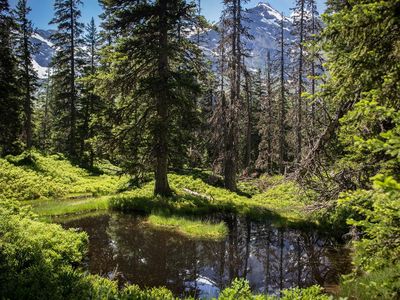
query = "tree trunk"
x=282 y=108
x=249 y=122
x=270 y=108
x=230 y=145
x=300 y=87
x=161 y=129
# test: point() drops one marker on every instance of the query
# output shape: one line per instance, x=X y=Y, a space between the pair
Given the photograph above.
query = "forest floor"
x=54 y=187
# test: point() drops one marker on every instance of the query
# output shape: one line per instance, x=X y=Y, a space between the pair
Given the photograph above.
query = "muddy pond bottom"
x=124 y=248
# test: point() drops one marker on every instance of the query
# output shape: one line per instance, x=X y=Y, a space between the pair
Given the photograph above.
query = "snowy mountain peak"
x=262 y=21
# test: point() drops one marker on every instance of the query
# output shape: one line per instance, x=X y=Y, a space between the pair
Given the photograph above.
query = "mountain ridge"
x=262 y=22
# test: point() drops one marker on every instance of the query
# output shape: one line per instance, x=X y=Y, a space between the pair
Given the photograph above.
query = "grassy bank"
x=188 y=227
x=56 y=187
x=48 y=208
x=281 y=201
x=33 y=176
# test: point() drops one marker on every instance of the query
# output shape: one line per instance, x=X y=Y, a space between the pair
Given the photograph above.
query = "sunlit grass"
x=282 y=202
x=191 y=228
x=63 y=207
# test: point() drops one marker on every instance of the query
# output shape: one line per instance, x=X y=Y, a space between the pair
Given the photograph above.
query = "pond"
x=125 y=248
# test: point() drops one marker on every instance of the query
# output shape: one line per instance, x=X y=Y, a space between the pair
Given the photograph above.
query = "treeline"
x=139 y=92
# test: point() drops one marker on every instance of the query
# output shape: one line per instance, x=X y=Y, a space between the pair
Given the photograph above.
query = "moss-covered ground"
x=54 y=187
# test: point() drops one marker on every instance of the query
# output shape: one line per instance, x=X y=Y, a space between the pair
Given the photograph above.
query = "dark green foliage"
x=360 y=162
x=92 y=106
x=153 y=75
x=376 y=285
x=27 y=77
x=10 y=104
x=66 y=65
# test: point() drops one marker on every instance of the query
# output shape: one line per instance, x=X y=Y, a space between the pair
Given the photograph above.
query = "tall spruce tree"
x=156 y=91
x=91 y=103
x=27 y=76
x=66 y=62
x=282 y=101
x=266 y=121
x=234 y=31
x=10 y=105
x=299 y=25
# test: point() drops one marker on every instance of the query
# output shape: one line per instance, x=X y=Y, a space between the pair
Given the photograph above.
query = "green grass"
x=60 y=188
x=191 y=228
x=283 y=202
x=33 y=176
x=47 y=208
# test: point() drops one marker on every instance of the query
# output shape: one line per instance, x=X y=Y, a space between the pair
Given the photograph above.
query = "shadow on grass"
x=190 y=205
x=208 y=178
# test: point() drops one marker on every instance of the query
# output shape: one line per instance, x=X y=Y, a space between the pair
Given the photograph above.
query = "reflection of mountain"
x=270 y=258
x=262 y=21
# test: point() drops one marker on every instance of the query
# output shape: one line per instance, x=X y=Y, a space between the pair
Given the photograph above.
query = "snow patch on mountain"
x=262 y=21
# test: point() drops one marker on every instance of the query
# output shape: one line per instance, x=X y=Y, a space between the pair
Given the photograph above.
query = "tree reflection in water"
x=125 y=248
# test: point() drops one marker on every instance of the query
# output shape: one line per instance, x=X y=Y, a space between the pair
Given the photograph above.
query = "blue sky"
x=42 y=10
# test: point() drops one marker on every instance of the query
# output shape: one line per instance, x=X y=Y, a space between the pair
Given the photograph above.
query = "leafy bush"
x=383 y=284
x=239 y=289
x=37 y=260
x=378 y=215
x=377 y=254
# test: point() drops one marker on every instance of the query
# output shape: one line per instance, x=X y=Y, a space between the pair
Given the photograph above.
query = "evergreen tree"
x=361 y=91
x=233 y=38
x=266 y=121
x=299 y=25
x=91 y=103
x=10 y=106
x=66 y=63
x=27 y=76
x=159 y=81
x=282 y=125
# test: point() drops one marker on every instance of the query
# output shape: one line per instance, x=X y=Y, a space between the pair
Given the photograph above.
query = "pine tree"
x=91 y=103
x=159 y=81
x=299 y=24
x=27 y=76
x=10 y=106
x=266 y=121
x=282 y=101
x=233 y=38
x=66 y=62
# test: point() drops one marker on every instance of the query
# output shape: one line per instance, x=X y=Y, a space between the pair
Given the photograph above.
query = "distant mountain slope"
x=45 y=51
x=263 y=24
x=262 y=21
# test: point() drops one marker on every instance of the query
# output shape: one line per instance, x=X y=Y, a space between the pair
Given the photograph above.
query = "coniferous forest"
x=142 y=165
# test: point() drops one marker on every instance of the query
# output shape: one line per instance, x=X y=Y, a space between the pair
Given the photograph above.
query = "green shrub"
x=239 y=289
x=312 y=293
x=377 y=213
x=383 y=284
x=37 y=260
x=32 y=175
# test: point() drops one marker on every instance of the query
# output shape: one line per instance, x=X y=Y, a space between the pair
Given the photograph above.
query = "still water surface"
x=123 y=247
